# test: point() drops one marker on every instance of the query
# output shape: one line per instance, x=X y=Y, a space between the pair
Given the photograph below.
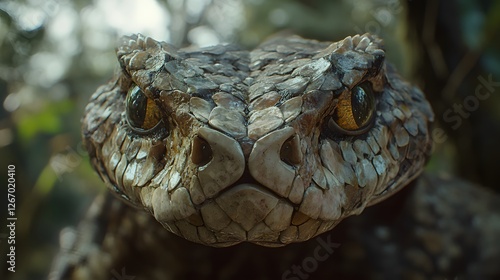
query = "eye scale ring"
x=143 y=116
x=355 y=111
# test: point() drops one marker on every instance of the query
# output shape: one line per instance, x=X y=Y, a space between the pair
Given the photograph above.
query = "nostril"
x=290 y=151
x=201 y=153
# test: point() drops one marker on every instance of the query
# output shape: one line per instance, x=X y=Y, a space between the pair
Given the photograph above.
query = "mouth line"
x=250 y=181
x=224 y=244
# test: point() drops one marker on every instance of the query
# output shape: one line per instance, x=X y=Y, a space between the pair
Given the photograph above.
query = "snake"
x=222 y=146
x=272 y=146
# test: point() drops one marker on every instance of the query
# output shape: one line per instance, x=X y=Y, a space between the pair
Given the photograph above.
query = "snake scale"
x=273 y=146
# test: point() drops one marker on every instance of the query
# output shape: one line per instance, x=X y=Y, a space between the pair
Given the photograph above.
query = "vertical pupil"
x=362 y=105
x=136 y=106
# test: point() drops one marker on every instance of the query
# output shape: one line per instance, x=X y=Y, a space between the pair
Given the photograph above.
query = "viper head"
x=272 y=146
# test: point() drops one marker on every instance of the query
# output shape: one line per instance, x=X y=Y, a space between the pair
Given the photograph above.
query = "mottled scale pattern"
x=276 y=172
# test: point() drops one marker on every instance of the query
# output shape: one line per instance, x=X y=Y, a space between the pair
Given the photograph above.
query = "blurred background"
x=55 y=53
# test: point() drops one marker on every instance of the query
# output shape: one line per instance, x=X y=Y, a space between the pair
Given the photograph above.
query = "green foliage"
x=48 y=120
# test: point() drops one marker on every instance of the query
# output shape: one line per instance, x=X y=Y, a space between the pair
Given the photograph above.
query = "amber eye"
x=355 y=111
x=142 y=113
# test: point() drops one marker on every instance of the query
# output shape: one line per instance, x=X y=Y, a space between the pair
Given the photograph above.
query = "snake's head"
x=272 y=146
